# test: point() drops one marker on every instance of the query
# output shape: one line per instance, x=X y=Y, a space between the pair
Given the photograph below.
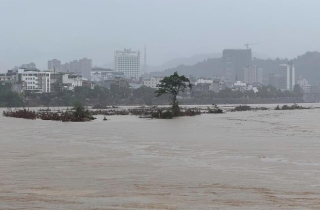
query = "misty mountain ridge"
x=307 y=66
x=174 y=62
x=188 y=61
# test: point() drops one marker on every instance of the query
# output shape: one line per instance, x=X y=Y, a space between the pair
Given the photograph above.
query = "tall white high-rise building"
x=287 y=73
x=252 y=74
x=128 y=62
x=54 y=64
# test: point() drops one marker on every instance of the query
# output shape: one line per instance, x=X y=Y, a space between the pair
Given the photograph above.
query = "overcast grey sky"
x=39 y=30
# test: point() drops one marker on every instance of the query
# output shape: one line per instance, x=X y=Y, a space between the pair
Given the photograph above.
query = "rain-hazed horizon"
x=37 y=30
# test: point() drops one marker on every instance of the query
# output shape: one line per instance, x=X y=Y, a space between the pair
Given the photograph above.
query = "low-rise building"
x=65 y=81
x=217 y=85
x=100 y=74
x=203 y=81
x=135 y=85
x=251 y=87
x=34 y=80
x=118 y=81
x=152 y=81
x=87 y=83
x=304 y=84
x=239 y=86
x=7 y=78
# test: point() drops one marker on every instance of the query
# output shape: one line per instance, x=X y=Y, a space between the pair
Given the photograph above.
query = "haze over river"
x=241 y=160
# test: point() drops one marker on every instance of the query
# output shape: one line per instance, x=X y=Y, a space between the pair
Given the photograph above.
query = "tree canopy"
x=173 y=85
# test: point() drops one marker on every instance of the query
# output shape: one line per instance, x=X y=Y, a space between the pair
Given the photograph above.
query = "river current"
x=236 y=160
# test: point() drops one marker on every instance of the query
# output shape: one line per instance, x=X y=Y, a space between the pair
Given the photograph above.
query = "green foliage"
x=292 y=107
x=297 y=90
x=215 y=110
x=263 y=92
x=144 y=94
x=173 y=85
x=9 y=98
x=167 y=115
x=80 y=112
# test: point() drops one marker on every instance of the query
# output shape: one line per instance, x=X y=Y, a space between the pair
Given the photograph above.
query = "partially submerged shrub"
x=241 y=108
x=247 y=108
x=292 y=107
x=215 y=110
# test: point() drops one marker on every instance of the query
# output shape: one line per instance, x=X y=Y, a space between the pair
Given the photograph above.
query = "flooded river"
x=240 y=160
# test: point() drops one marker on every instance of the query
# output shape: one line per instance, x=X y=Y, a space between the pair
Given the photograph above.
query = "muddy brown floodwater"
x=242 y=160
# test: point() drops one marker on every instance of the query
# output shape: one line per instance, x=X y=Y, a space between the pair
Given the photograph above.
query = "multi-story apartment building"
x=85 y=66
x=54 y=64
x=65 y=68
x=74 y=67
x=128 y=62
x=252 y=74
x=34 y=80
x=80 y=67
x=28 y=66
x=234 y=60
x=275 y=80
x=152 y=82
x=287 y=73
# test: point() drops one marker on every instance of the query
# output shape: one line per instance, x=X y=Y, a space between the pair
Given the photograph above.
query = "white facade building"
x=152 y=82
x=128 y=62
x=250 y=87
x=239 y=86
x=304 y=84
x=7 y=78
x=217 y=85
x=101 y=74
x=36 y=81
x=203 y=81
x=252 y=74
x=67 y=81
x=71 y=81
x=287 y=73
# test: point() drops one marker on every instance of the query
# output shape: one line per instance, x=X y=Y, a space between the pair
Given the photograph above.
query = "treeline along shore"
x=117 y=96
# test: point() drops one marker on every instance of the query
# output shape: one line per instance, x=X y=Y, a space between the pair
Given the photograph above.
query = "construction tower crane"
x=248 y=44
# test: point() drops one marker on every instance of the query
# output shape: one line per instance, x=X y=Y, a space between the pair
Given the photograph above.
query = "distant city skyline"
x=170 y=29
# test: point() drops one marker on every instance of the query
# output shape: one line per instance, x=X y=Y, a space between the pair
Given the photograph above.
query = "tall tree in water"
x=173 y=85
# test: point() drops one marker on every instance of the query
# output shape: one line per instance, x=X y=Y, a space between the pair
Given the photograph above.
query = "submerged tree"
x=80 y=112
x=173 y=85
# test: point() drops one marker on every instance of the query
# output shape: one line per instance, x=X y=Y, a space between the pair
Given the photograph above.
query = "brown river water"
x=240 y=160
